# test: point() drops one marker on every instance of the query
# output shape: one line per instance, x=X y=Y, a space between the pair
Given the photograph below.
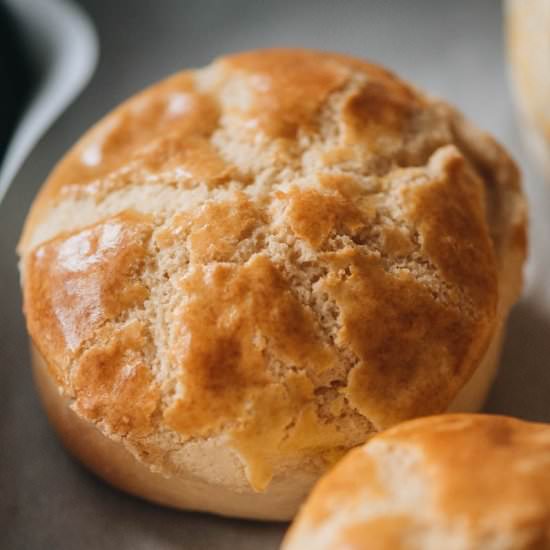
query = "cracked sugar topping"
x=289 y=249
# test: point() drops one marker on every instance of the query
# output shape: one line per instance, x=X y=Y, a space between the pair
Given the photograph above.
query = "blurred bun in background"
x=528 y=39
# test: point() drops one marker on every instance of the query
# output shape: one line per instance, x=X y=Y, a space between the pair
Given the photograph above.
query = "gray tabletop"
x=453 y=49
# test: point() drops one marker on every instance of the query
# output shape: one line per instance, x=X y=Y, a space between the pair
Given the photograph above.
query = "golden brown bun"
x=195 y=487
x=246 y=270
x=528 y=32
x=456 y=481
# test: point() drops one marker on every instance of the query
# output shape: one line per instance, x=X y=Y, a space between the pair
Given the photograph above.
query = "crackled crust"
x=451 y=481
x=288 y=249
x=528 y=38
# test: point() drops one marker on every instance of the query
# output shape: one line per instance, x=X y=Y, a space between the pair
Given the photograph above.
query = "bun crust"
x=270 y=259
x=451 y=481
